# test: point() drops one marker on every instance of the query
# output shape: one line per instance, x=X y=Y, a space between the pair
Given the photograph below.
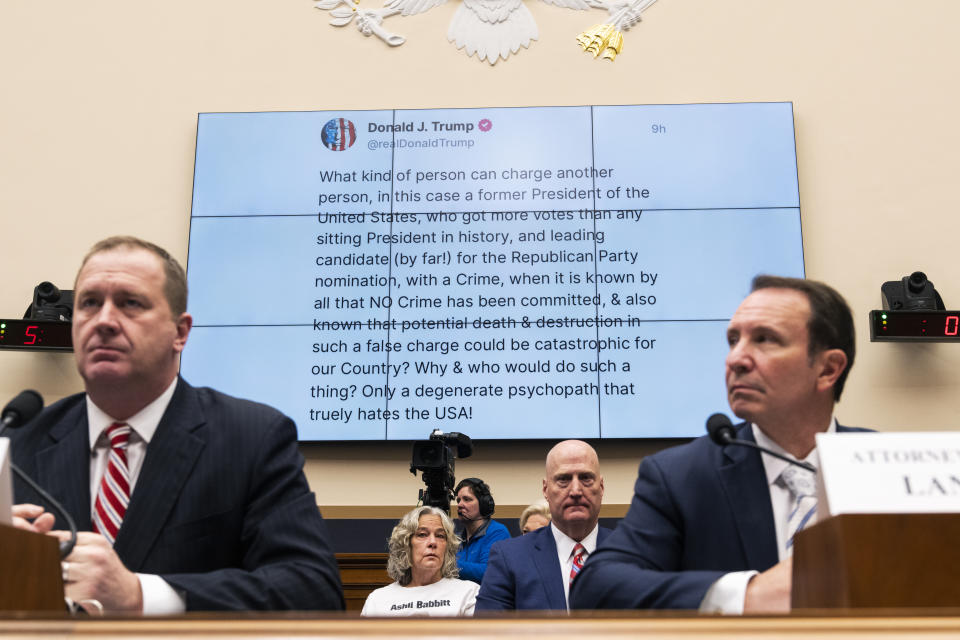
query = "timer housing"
x=35 y=335
x=915 y=326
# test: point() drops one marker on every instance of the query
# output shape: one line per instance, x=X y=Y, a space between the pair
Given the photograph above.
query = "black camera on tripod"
x=435 y=458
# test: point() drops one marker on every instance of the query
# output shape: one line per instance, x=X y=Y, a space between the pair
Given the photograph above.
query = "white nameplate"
x=6 y=487
x=888 y=473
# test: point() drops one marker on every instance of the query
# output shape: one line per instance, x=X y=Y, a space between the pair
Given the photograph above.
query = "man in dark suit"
x=534 y=571
x=194 y=500
x=709 y=526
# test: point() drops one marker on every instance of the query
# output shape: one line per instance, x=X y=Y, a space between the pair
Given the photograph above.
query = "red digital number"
x=30 y=328
x=950 y=328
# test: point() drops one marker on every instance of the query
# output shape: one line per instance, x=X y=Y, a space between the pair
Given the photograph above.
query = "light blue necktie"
x=802 y=487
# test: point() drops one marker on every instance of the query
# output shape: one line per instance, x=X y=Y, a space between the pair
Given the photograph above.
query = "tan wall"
x=98 y=104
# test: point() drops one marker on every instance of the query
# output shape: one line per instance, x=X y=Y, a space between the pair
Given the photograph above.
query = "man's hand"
x=32 y=517
x=769 y=592
x=93 y=571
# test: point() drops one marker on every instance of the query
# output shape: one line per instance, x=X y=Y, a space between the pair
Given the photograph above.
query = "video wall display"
x=538 y=272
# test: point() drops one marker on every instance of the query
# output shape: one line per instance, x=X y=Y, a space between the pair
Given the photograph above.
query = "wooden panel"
x=878 y=560
x=361 y=573
x=603 y=626
x=30 y=577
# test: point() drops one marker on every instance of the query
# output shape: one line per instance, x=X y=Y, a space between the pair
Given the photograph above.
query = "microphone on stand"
x=19 y=411
x=721 y=431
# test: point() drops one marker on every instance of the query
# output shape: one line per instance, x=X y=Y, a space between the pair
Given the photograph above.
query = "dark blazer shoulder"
x=208 y=397
x=48 y=427
x=209 y=400
x=843 y=429
x=524 y=544
x=218 y=413
x=71 y=407
x=698 y=451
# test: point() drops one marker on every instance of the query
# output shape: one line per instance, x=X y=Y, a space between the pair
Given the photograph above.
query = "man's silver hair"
x=398 y=564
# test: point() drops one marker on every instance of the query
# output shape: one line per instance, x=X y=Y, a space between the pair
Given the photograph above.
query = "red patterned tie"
x=114 y=493
x=578 y=554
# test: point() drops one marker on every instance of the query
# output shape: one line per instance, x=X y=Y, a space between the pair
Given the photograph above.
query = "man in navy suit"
x=219 y=515
x=708 y=525
x=534 y=571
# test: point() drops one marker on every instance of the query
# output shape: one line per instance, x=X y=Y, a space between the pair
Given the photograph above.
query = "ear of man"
x=832 y=363
x=184 y=324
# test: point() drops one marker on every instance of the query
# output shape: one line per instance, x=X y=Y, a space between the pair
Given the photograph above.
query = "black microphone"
x=720 y=429
x=19 y=411
x=722 y=432
x=466 y=519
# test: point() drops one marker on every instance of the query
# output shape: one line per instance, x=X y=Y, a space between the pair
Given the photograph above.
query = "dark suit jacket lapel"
x=548 y=566
x=744 y=481
x=171 y=455
x=63 y=467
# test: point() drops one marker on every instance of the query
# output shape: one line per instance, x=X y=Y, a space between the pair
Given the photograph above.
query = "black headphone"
x=482 y=493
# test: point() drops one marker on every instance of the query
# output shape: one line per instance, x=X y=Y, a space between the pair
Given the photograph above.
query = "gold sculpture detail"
x=602 y=40
x=606 y=40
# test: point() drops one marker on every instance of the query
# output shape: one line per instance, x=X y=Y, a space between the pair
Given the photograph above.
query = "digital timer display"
x=35 y=335
x=915 y=326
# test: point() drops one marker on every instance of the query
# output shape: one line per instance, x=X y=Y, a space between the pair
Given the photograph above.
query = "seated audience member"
x=423 y=564
x=711 y=527
x=477 y=530
x=186 y=498
x=534 y=517
x=535 y=570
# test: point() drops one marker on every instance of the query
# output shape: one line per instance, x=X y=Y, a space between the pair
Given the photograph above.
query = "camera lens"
x=917 y=281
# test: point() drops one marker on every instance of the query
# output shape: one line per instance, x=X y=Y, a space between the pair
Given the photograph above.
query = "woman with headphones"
x=474 y=507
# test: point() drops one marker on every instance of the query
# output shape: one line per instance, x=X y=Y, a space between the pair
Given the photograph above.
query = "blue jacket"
x=473 y=553
x=524 y=573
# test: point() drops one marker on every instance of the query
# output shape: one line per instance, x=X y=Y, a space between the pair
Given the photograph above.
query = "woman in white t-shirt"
x=423 y=562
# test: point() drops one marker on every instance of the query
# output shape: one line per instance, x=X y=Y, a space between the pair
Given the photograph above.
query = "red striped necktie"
x=114 y=492
x=579 y=551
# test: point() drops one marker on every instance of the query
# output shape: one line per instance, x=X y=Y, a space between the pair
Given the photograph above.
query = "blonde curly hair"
x=537 y=508
x=398 y=563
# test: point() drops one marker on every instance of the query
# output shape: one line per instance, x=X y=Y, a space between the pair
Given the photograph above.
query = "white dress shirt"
x=727 y=594
x=158 y=596
x=565 y=545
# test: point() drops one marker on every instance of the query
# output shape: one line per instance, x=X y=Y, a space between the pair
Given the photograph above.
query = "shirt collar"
x=144 y=423
x=775 y=466
x=565 y=543
x=482 y=531
x=461 y=531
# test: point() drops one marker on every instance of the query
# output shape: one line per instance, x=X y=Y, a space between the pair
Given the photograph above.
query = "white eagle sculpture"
x=493 y=29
